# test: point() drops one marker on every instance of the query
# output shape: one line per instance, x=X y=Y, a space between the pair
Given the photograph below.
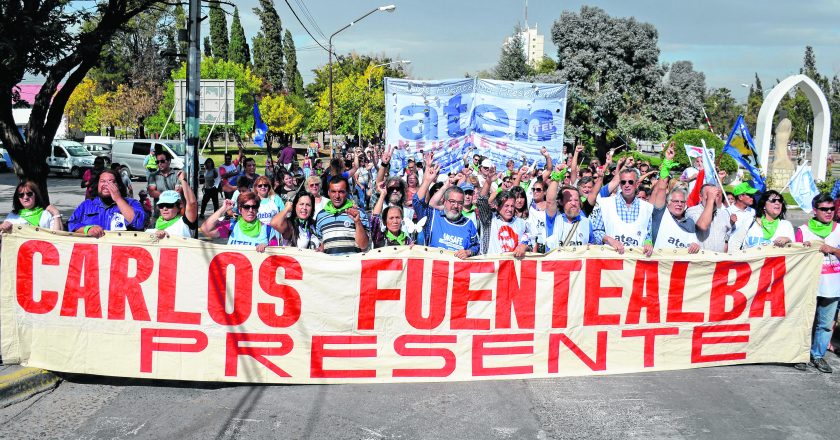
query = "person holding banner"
x=446 y=228
x=247 y=230
x=109 y=210
x=822 y=228
x=711 y=219
x=767 y=227
x=572 y=228
x=501 y=230
x=171 y=223
x=342 y=228
x=623 y=219
x=296 y=222
x=670 y=227
x=28 y=207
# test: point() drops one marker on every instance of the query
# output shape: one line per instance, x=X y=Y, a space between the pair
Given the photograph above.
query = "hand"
x=647 y=249
x=161 y=235
x=383 y=190
x=261 y=247
x=544 y=151
x=826 y=249
x=560 y=166
x=463 y=254
x=617 y=245
x=520 y=251
x=670 y=153
x=711 y=196
x=579 y=149
x=5 y=227
x=182 y=176
x=694 y=248
x=227 y=204
x=431 y=173
x=781 y=242
x=113 y=190
x=609 y=157
x=95 y=231
x=354 y=215
x=428 y=157
x=386 y=156
x=52 y=210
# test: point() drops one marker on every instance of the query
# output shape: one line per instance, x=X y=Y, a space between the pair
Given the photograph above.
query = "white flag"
x=802 y=187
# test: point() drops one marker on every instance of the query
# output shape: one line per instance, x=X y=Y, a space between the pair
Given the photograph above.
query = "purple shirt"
x=287 y=155
x=94 y=213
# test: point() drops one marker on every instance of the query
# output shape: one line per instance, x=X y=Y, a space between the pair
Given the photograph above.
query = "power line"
x=304 y=26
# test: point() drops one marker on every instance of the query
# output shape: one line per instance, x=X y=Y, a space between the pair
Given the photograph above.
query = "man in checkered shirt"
x=624 y=219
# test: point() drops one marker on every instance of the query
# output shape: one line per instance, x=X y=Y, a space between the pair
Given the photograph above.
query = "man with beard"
x=341 y=227
x=672 y=229
x=446 y=228
x=623 y=219
x=502 y=230
x=572 y=228
x=109 y=210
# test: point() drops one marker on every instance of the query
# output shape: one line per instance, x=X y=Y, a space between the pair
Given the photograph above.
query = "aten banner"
x=127 y=305
x=498 y=119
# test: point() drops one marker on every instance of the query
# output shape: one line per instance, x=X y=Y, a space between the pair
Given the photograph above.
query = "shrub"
x=693 y=137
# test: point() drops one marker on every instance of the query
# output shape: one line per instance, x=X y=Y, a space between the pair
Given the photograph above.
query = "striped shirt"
x=628 y=214
x=338 y=232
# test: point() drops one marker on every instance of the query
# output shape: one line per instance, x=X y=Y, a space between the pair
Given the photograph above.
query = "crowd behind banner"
x=354 y=203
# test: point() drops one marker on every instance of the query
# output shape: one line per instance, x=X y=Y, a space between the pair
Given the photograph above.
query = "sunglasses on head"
x=247 y=207
x=826 y=209
x=627 y=182
x=25 y=194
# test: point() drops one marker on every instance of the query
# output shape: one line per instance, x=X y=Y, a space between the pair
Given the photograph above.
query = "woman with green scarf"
x=392 y=234
x=28 y=207
x=247 y=230
x=769 y=226
x=178 y=218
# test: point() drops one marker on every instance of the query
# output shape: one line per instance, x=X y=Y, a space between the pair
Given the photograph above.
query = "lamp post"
x=369 y=85
x=389 y=8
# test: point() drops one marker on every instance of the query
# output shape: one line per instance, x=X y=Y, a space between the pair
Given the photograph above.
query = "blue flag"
x=260 y=129
x=802 y=188
x=741 y=147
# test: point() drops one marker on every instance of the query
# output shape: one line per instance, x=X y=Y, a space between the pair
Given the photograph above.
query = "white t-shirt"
x=177 y=229
x=44 y=222
x=506 y=236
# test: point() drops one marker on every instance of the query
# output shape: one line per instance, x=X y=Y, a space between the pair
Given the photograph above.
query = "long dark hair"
x=308 y=223
x=117 y=178
x=30 y=185
x=518 y=192
x=762 y=201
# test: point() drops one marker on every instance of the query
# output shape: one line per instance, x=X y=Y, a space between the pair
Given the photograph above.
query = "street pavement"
x=740 y=402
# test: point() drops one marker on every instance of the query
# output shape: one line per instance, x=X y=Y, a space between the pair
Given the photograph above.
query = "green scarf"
x=251 y=229
x=467 y=211
x=769 y=227
x=162 y=224
x=335 y=211
x=398 y=238
x=819 y=228
x=32 y=216
x=665 y=168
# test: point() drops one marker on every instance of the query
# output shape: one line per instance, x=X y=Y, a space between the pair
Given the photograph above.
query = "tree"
x=722 y=109
x=80 y=106
x=60 y=43
x=218 y=30
x=696 y=138
x=355 y=94
x=513 y=62
x=612 y=67
x=834 y=105
x=344 y=65
x=292 y=78
x=282 y=118
x=208 y=47
x=239 y=52
x=268 y=45
x=546 y=65
x=679 y=105
x=754 y=100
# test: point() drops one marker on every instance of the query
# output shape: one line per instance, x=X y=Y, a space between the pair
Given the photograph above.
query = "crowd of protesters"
x=354 y=202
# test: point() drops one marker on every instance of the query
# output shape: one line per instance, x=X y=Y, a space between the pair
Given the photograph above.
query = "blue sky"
x=727 y=40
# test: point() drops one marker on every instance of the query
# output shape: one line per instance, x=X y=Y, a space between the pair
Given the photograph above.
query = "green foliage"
x=247 y=86
x=239 y=52
x=513 y=64
x=546 y=65
x=268 y=45
x=722 y=109
x=293 y=81
x=208 y=48
x=825 y=186
x=281 y=116
x=351 y=96
x=344 y=65
x=218 y=30
x=694 y=137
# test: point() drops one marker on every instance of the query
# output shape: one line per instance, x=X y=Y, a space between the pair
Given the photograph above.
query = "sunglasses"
x=314 y=185
x=166 y=205
x=26 y=194
x=162 y=161
x=538 y=190
x=627 y=182
x=263 y=185
x=828 y=209
x=248 y=207
x=774 y=200
x=393 y=188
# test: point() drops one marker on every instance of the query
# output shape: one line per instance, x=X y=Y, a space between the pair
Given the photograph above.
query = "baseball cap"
x=169 y=196
x=743 y=188
x=467 y=186
x=487 y=163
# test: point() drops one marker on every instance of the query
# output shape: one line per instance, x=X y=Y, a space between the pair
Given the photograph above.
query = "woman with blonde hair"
x=313 y=186
x=270 y=205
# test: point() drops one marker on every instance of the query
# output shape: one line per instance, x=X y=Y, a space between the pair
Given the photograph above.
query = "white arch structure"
x=821 y=125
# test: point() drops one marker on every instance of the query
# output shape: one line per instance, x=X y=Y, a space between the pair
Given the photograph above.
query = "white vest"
x=631 y=234
x=537 y=220
x=830 y=275
x=671 y=235
x=562 y=229
x=755 y=234
x=177 y=229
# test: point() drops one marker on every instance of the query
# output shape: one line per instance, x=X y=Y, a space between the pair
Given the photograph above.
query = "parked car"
x=69 y=157
x=5 y=160
x=131 y=154
x=99 y=145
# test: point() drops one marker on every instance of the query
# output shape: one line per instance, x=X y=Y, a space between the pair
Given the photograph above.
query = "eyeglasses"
x=678 y=202
x=314 y=185
x=456 y=202
x=25 y=194
x=263 y=185
x=627 y=182
x=162 y=161
x=165 y=205
x=393 y=189
x=826 y=209
x=774 y=200
x=537 y=190
x=248 y=207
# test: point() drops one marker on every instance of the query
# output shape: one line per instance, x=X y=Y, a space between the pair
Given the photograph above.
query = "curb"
x=24 y=383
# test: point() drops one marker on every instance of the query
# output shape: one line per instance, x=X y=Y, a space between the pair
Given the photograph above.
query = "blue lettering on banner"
x=676 y=242
x=501 y=120
x=628 y=241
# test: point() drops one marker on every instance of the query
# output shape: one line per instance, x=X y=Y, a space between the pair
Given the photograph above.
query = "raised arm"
x=551 y=196
x=190 y=203
x=575 y=166
x=208 y=228
x=380 y=202
x=429 y=177
x=660 y=190
x=280 y=223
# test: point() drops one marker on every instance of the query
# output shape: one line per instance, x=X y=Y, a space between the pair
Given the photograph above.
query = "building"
x=534 y=44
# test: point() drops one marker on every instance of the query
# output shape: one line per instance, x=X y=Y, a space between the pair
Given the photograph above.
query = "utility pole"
x=193 y=83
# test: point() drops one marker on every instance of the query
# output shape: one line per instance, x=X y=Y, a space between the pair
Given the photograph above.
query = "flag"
x=707 y=174
x=741 y=147
x=693 y=151
x=260 y=129
x=802 y=187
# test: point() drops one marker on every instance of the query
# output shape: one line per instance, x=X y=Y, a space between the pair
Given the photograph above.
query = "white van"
x=131 y=154
x=69 y=157
x=99 y=145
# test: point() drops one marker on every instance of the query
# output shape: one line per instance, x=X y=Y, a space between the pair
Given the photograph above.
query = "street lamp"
x=369 y=85
x=388 y=8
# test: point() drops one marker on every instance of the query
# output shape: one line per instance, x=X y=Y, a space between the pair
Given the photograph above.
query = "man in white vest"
x=571 y=227
x=822 y=228
x=624 y=219
x=670 y=228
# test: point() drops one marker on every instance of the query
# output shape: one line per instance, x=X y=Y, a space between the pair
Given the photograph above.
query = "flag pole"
x=708 y=122
x=717 y=179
